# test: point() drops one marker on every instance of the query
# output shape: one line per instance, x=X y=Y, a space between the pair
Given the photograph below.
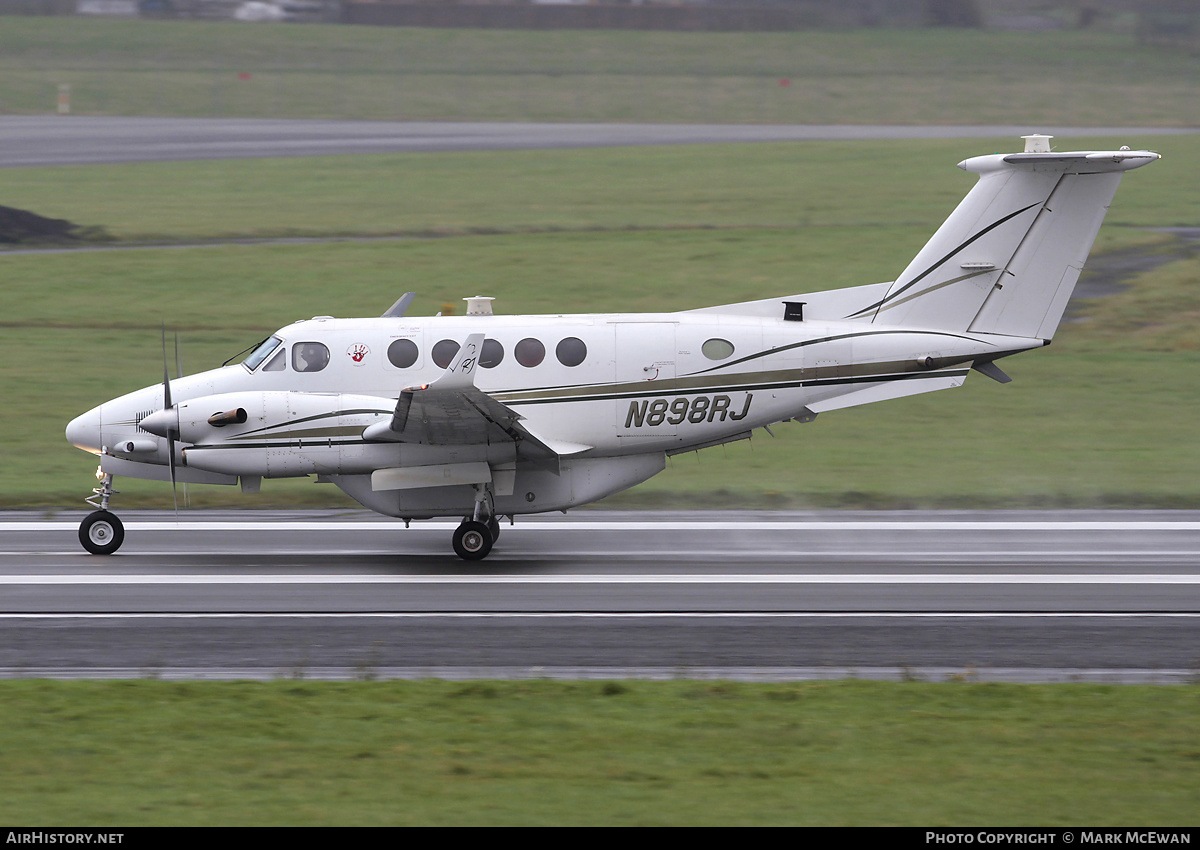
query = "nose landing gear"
x=101 y=533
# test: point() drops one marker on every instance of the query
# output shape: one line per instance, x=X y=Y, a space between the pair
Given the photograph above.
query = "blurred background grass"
x=883 y=76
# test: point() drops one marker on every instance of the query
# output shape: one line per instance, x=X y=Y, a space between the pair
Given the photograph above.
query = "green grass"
x=709 y=186
x=1104 y=417
x=193 y=68
x=299 y=753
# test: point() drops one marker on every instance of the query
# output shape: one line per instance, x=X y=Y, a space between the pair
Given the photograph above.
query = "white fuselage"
x=613 y=393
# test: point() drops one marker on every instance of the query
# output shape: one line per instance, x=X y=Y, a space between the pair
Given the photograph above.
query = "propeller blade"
x=166 y=375
x=179 y=374
x=174 y=489
x=172 y=433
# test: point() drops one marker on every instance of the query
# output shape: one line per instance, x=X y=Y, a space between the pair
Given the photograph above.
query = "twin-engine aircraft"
x=484 y=416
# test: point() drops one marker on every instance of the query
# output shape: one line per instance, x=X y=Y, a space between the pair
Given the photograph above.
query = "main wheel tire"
x=101 y=533
x=472 y=541
x=493 y=525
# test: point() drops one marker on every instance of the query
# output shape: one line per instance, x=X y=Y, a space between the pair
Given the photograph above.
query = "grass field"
x=195 y=68
x=1104 y=417
x=299 y=753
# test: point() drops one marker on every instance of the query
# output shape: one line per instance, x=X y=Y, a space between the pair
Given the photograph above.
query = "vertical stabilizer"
x=1007 y=258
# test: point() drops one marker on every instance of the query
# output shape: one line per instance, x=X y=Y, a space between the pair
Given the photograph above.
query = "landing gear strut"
x=101 y=533
x=474 y=538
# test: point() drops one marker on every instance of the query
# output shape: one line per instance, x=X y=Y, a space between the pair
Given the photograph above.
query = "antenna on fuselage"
x=479 y=305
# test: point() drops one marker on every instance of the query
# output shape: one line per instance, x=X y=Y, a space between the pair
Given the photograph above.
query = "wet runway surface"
x=1027 y=596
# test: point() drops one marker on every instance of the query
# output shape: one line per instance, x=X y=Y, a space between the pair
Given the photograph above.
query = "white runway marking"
x=656 y=526
x=615 y=579
x=612 y=615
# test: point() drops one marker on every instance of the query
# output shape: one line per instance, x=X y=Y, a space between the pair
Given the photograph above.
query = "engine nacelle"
x=278 y=434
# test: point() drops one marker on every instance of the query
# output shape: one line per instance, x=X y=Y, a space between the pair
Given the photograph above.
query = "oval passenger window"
x=717 y=349
x=571 y=351
x=444 y=352
x=402 y=353
x=309 y=356
x=530 y=352
x=491 y=355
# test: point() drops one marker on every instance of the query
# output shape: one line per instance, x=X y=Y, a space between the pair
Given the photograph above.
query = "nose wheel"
x=101 y=533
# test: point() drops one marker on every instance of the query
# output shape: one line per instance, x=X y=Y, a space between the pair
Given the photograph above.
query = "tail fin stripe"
x=934 y=288
x=892 y=295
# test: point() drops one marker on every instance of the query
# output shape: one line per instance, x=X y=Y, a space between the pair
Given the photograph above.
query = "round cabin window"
x=530 y=352
x=717 y=349
x=309 y=356
x=571 y=351
x=402 y=353
x=443 y=352
x=491 y=355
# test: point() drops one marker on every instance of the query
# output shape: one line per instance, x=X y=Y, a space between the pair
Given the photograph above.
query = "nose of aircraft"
x=84 y=431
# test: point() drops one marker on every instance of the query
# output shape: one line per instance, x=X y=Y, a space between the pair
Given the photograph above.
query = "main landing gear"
x=101 y=533
x=478 y=532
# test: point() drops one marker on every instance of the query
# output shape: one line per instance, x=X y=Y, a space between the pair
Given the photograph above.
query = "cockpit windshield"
x=261 y=353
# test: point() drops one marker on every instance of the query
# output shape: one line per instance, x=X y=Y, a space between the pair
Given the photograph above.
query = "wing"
x=453 y=411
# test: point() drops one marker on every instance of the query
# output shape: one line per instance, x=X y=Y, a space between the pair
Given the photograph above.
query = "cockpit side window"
x=278 y=363
x=260 y=354
x=309 y=356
